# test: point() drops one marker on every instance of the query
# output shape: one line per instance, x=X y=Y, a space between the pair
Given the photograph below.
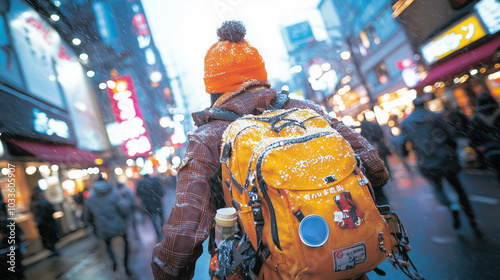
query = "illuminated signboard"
x=124 y=102
x=489 y=11
x=38 y=46
x=141 y=30
x=50 y=126
x=455 y=38
x=298 y=35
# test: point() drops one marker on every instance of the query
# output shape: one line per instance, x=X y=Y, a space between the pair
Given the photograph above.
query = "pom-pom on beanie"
x=232 y=61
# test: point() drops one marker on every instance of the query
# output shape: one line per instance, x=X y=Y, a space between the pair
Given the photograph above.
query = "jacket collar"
x=252 y=98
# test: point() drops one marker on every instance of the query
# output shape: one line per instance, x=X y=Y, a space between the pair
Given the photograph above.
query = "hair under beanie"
x=232 y=61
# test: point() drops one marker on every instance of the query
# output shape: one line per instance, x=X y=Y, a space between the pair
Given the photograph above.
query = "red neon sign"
x=124 y=103
x=45 y=32
x=139 y=21
x=404 y=63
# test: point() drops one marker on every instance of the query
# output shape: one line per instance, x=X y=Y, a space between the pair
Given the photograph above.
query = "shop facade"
x=50 y=134
x=459 y=52
x=382 y=66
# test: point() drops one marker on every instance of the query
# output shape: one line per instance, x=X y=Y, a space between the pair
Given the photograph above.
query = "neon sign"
x=45 y=125
x=455 y=38
x=124 y=102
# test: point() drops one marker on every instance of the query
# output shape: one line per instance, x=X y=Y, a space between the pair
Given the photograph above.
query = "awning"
x=461 y=63
x=56 y=153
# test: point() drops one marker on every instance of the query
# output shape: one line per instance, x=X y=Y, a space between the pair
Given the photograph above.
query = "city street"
x=101 y=94
x=439 y=252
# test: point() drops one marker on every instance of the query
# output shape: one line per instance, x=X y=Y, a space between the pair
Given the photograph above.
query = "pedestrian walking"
x=10 y=269
x=373 y=132
x=437 y=157
x=128 y=198
x=401 y=150
x=236 y=79
x=43 y=210
x=458 y=121
x=484 y=132
x=171 y=179
x=151 y=192
x=109 y=218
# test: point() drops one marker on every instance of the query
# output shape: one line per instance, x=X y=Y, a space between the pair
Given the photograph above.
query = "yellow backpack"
x=301 y=199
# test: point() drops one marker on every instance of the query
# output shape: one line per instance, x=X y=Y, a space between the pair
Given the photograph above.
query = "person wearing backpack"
x=108 y=217
x=151 y=193
x=437 y=157
x=236 y=79
x=127 y=201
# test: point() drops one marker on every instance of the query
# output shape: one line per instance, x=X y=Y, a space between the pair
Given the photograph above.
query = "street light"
x=345 y=55
x=54 y=17
x=296 y=69
x=315 y=71
x=326 y=67
x=76 y=41
x=84 y=56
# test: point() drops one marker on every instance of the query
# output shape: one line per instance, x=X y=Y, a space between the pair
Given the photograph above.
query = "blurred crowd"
x=108 y=209
x=477 y=137
x=111 y=210
x=444 y=143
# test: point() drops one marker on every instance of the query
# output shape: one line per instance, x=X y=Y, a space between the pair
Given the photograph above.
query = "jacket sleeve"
x=371 y=164
x=192 y=214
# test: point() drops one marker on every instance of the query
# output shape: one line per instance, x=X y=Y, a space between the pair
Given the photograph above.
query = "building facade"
x=379 y=63
x=50 y=125
x=134 y=92
x=459 y=48
x=312 y=64
x=83 y=92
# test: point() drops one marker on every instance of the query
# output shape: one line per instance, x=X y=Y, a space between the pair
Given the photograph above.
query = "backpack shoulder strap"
x=221 y=114
x=281 y=99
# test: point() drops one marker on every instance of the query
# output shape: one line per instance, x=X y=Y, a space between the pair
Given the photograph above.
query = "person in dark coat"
x=109 y=217
x=10 y=269
x=375 y=135
x=484 y=133
x=47 y=226
x=236 y=79
x=458 y=121
x=127 y=195
x=151 y=192
x=437 y=157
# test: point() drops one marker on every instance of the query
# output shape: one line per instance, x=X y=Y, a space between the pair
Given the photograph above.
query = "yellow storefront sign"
x=455 y=38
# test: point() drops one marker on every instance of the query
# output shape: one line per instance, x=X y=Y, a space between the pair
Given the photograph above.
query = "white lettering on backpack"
x=320 y=159
x=325 y=192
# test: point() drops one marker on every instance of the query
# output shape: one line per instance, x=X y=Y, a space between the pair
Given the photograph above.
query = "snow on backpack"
x=302 y=201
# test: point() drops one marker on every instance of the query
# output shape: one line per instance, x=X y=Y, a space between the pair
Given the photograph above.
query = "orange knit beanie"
x=232 y=61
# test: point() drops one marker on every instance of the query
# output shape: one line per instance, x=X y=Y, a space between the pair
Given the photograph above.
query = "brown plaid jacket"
x=193 y=213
